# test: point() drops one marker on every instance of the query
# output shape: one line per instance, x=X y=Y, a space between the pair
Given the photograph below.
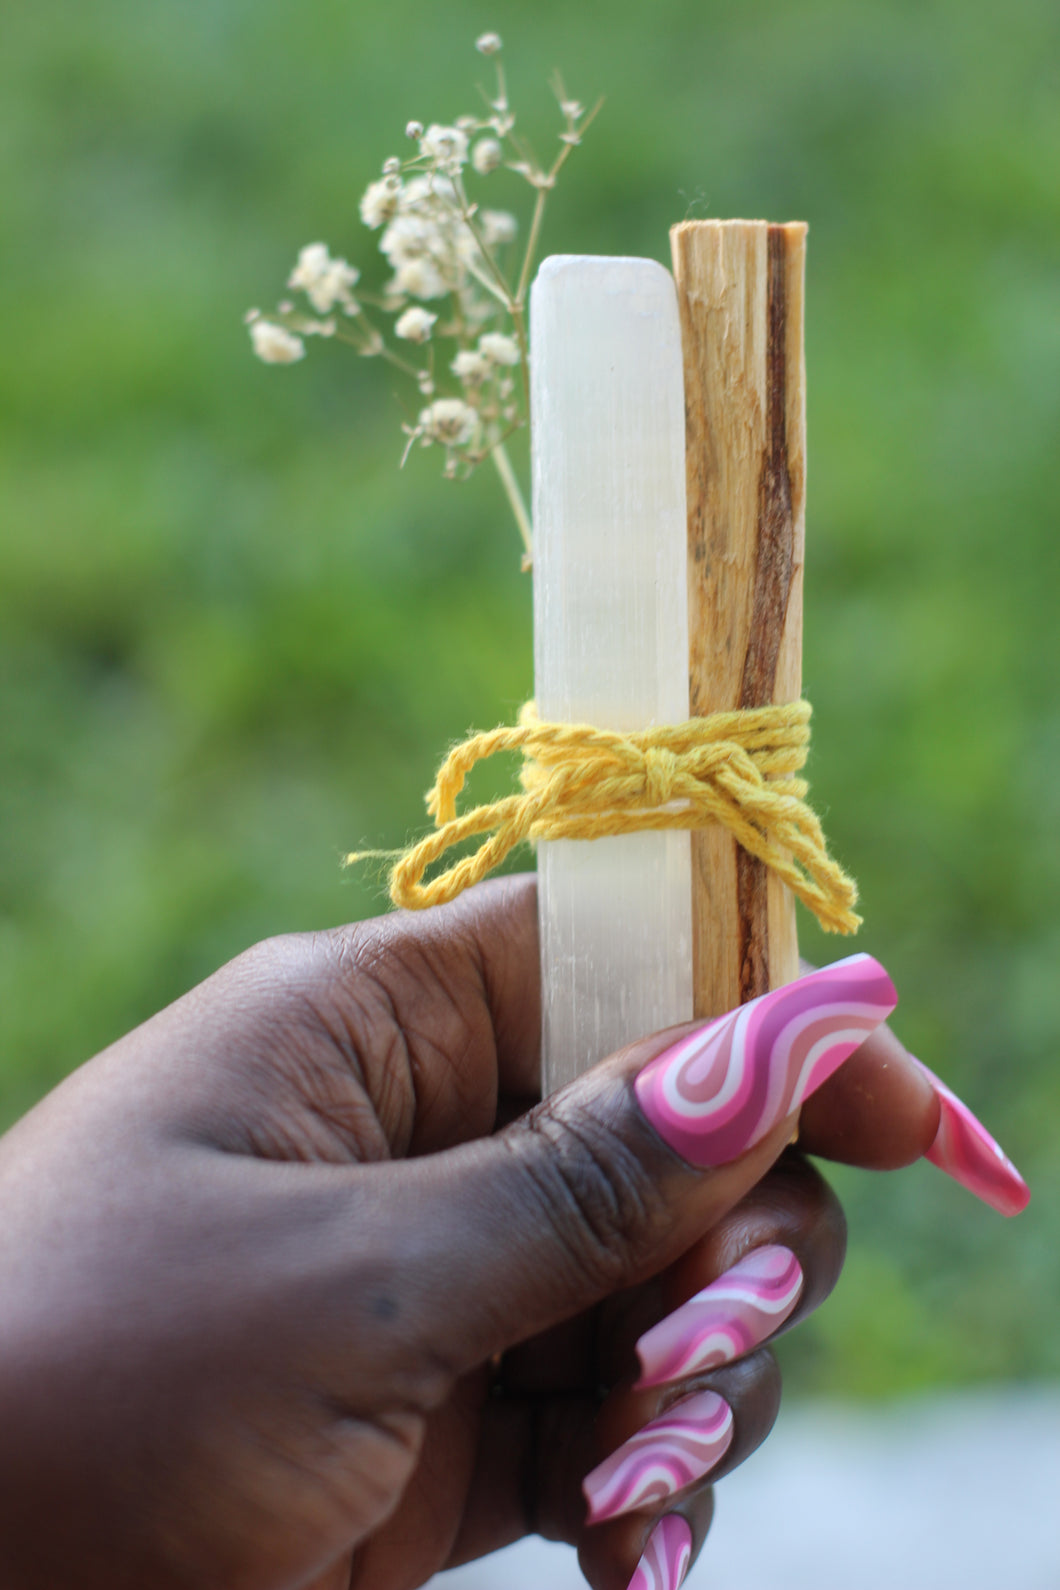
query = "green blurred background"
x=234 y=639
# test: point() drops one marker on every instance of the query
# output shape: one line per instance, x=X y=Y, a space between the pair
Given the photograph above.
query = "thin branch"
x=503 y=465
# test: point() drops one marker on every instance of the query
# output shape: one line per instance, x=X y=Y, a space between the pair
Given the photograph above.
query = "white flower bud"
x=446 y=145
x=450 y=421
x=470 y=367
x=325 y=281
x=488 y=44
x=415 y=324
x=379 y=202
x=420 y=278
x=414 y=129
x=274 y=344
x=486 y=156
x=498 y=348
x=392 y=167
x=498 y=227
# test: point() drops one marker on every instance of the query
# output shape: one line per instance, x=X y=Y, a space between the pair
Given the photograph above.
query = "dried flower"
x=497 y=227
x=415 y=324
x=429 y=193
x=325 y=281
x=450 y=421
x=379 y=202
x=275 y=345
x=499 y=348
x=470 y=367
x=447 y=146
x=419 y=278
x=446 y=253
x=407 y=237
x=486 y=156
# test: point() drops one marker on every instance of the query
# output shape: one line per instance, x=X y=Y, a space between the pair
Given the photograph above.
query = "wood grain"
x=740 y=289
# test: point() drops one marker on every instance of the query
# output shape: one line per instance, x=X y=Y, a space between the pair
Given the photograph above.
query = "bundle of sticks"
x=669 y=465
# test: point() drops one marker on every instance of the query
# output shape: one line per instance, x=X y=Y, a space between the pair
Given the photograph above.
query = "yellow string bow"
x=580 y=782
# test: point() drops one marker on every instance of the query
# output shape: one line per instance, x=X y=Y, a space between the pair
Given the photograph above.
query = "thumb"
x=612 y=1179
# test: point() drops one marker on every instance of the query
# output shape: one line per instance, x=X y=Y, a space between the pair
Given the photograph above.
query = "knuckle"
x=795 y=1205
x=753 y=1388
x=601 y=1200
x=818 y=1227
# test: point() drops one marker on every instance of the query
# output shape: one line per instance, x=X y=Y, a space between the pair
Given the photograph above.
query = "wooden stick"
x=740 y=294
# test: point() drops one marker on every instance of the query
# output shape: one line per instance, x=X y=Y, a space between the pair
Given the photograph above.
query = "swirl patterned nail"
x=726 y=1320
x=680 y=1446
x=965 y=1150
x=666 y=1556
x=722 y=1087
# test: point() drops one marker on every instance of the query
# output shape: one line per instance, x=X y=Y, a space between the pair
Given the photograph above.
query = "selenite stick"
x=740 y=291
x=610 y=637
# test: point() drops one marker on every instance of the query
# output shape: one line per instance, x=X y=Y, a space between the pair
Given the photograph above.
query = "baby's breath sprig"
x=446 y=250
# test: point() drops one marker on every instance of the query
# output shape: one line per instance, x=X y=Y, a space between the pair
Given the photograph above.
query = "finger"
x=385 y=1038
x=772 y=1260
x=448 y=1000
x=606 y=1183
x=474 y=960
x=642 y=1552
x=885 y=1109
x=660 y=1442
x=878 y=1111
x=417 y=1539
x=533 y=1455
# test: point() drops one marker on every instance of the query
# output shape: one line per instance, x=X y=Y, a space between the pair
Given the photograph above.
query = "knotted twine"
x=738 y=769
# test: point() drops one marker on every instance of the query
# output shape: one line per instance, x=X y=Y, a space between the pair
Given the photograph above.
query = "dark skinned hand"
x=299 y=1291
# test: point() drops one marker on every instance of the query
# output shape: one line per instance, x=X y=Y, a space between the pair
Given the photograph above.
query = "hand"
x=286 y=1305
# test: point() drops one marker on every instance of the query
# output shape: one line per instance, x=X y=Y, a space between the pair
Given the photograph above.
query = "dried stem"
x=503 y=465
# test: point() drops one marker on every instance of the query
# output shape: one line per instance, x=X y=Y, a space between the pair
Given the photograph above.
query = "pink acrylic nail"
x=727 y=1319
x=965 y=1150
x=666 y=1557
x=680 y=1446
x=721 y=1088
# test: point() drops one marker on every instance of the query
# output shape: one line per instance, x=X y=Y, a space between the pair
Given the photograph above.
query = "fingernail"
x=720 y=1089
x=666 y=1556
x=724 y=1321
x=964 y=1149
x=680 y=1446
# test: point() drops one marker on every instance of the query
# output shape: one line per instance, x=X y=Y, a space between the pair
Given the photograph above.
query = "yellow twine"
x=580 y=782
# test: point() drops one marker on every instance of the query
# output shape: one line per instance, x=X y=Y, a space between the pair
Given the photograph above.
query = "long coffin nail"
x=680 y=1446
x=666 y=1556
x=721 y=1088
x=727 y=1319
x=964 y=1149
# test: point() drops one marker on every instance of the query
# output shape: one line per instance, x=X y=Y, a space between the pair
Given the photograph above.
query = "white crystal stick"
x=610 y=637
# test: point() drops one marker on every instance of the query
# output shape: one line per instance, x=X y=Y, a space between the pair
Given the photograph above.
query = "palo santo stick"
x=740 y=294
